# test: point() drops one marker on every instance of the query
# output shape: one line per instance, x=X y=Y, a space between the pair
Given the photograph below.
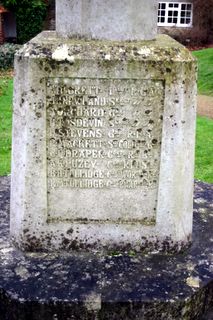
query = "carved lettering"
x=103 y=133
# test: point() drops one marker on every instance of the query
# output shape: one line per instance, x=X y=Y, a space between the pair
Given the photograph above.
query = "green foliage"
x=30 y=15
x=9 y=3
x=7 y=52
x=205 y=71
x=204 y=150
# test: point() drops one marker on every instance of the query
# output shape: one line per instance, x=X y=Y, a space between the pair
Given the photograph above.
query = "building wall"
x=201 y=31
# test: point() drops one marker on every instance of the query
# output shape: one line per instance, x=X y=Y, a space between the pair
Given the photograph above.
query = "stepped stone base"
x=94 y=286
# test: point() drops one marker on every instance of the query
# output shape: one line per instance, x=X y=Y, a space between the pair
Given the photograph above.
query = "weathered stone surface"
x=112 y=20
x=124 y=286
x=103 y=145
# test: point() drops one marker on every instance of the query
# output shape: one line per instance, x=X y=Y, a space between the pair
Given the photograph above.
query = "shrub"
x=30 y=16
x=30 y=21
x=7 y=52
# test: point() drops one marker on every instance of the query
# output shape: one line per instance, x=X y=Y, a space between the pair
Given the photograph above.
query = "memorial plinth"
x=103 y=137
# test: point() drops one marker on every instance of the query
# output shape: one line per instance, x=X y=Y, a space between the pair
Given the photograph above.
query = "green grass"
x=204 y=150
x=6 y=88
x=205 y=71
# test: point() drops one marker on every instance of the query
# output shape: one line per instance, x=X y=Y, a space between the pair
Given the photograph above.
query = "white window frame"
x=179 y=10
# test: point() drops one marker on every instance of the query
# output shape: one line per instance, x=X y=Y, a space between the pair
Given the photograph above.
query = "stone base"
x=103 y=145
x=128 y=286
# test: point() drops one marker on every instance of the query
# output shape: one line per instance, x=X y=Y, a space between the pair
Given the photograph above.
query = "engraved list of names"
x=104 y=134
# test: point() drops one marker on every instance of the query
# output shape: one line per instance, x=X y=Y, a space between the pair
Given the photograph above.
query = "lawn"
x=205 y=71
x=204 y=135
x=204 y=150
x=6 y=88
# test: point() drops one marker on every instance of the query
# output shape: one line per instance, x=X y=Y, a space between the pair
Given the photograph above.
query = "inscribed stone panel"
x=103 y=148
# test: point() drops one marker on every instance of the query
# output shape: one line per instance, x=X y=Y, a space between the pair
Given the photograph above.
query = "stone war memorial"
x=103 y=139
x=101 y=206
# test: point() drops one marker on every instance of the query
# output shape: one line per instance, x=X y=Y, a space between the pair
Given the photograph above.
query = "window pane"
x=179 y=13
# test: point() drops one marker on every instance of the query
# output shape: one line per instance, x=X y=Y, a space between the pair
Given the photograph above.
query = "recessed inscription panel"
x=103 y=148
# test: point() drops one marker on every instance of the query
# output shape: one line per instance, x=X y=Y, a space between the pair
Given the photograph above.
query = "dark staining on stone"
x=136 y=53
x=41 y=63
x=33 y=52
x=154 y=141
x=20 y=58
x=38 y=114
x=65 y=242
x=47 y=52
x=53 y=64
